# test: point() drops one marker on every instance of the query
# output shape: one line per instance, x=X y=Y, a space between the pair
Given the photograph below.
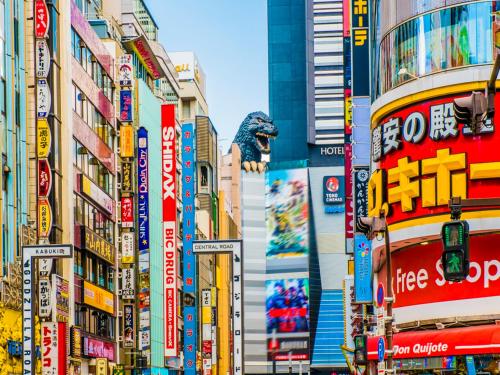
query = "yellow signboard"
x=44 y=217
x=44 y=138
x=127 y=141
x=98 y=245
x=98 y=298
x=101 y=366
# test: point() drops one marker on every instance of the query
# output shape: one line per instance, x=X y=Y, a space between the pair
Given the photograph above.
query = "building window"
x=78 y=263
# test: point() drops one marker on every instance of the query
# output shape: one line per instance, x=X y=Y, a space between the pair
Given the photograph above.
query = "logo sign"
x=362 y=269
x=127 y=177
x=44 y=294
x=128 y=326
x=333 y=190
x=42 y=58
x=44 y=218
x=361 y=177
x=76 y=342
x=126 y=105
x=127 y=204
x=169 y=198
x=30 y=252
x=44 y=138
x=125 y=70
x=41 y=19
x=143 y=189
x=381 y=349
x=128 y=283
x=44 y=178
x=49 y=348
x=43 y=98
x=126 y=141
x=127 y=248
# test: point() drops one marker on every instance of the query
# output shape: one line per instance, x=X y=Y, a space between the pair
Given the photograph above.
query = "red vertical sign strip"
x=169 y=198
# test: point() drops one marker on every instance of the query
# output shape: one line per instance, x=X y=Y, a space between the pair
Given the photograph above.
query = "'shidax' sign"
x=30 y=252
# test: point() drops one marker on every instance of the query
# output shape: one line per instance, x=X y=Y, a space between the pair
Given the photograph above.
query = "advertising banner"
x=127 y=141
x=44 y=138
x=44 y=218
x=50 y=360
x=94 y=192
x=424 y=157
x=98 y=245
x=75 y=342
x=98 y=349
x=128 y=326
x=125 y=70
x=41 y=19
x=287 y=214
x=42 y=54
x=143 y=189
x=126 y=106
x=44 y=178
x=360 y=41
x=43 y=98
x=98 y=298
x=127 y=177
x=61 y=297
x=287 y=311
x=128 y=283
x=361 y=177
x=189 y=269
x=169 y=198
x=128 y=247
x=44 y=298
x=362 y=269
x=127 y=206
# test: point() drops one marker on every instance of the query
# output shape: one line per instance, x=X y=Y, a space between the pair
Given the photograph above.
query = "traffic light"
x=471 y=111
x=455 y=257
x=360 y=350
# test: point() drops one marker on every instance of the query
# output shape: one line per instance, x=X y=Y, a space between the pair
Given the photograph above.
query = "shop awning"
x=445 y=342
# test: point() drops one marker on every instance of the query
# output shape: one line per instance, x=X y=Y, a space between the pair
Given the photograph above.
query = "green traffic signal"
x=455 y=257
x=361 y=349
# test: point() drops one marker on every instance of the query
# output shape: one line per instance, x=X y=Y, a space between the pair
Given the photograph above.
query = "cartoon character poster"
x=287 y=214
x=287 y=306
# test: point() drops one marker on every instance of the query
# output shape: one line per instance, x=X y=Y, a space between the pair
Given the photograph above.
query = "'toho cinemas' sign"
x=169 y=227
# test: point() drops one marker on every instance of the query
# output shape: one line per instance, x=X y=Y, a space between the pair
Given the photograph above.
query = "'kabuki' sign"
x=168 y=137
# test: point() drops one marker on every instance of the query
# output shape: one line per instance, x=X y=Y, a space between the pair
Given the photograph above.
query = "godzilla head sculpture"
x=253 y=140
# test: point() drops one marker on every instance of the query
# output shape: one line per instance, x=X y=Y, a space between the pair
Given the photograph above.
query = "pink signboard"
x=98 y=349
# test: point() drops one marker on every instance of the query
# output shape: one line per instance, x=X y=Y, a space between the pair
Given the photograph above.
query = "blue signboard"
x=471 y=367
x=381 y=349
x=143 y=188
x=362 y=269
x=126 y=105
x=333 y=190
x=189 y=261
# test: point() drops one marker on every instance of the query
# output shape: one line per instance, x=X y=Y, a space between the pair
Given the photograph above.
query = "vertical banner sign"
x=44 y=218
x=349 y=204
x=143 y=228
x=169 y=198
x=361 y=177
x=62 y=352
x=43 y=98
x=127 y=177
x=41 y=19
x=127 y=141
x=49 y=348
x=44 y=138
x=127 y=247
x=128 y=283
x=44 y=298
x=125 y=70
x=206 y=323
x=238 y=311
x=44 y=178
x=42 y=58
x=189 y=270
x=360 y=48
x=127 y=204
x=128 y=326
x=126 y=105
x=362 y=269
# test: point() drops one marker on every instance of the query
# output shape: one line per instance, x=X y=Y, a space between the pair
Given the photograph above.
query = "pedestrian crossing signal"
x=455 y=257
x=360 y=350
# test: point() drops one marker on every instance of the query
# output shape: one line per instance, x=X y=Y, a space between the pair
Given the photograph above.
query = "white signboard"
x=125 y=70
x=44 y=267
x=380 y=321
x=42 y=58
x=44 y=298
x=128 y=247
x=49 y=348
x=30 y=252
x=233 y=247
x=43 y=98
x=128 y=283
x=206 y=298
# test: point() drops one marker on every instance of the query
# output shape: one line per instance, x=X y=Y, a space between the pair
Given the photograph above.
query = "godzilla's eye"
x=259 y=120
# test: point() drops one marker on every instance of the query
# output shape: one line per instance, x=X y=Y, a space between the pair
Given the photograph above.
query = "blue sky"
x=230 y=39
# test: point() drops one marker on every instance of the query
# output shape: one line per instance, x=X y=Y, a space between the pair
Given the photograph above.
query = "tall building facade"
x=306 y=101
x=424 y=57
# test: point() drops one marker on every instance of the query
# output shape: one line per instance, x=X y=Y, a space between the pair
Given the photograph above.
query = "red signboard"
x=419 y=279
x=44 y=178
x=98 y=349
x=428 y=157
x=169 y=198
x=207 y=347
x=62 y=354
x=41 y=19
x=127 y=212
x=439 y=343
